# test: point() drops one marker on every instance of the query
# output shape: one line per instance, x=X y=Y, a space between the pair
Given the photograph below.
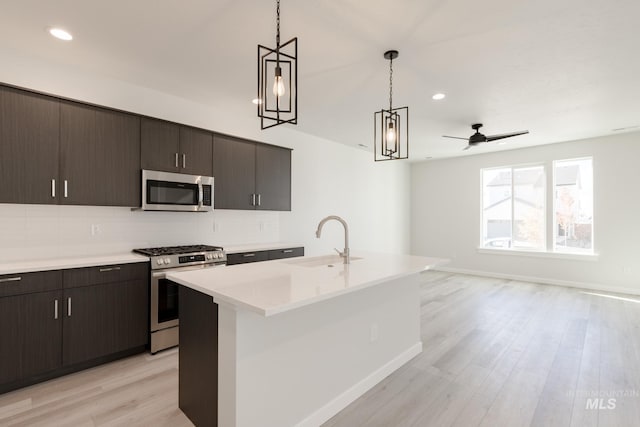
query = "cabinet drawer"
x=286 y=253
x=245 y=257
x=77 y=277
x=26 y=283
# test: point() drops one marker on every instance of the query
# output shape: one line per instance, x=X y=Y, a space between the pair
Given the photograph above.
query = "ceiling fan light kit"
x=391 y=127
x=478 y=138
x=278 y=81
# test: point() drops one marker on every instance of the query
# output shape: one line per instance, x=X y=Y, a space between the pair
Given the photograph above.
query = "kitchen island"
x=292 y=342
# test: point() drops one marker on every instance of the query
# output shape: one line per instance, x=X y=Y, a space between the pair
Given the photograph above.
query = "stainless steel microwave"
x=165 y=191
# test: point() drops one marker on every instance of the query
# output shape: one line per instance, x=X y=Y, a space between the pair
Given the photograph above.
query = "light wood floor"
x=496 y=353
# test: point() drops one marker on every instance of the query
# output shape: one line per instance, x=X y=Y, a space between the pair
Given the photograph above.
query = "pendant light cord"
x=278 y=25
x=390 y=84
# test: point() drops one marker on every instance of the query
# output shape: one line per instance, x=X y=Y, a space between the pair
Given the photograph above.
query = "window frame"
x=549 y=220
x=553 y=212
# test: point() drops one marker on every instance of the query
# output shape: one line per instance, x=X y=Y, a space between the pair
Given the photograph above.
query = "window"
x=514 y=213
x=513 y=208
x=573 y=205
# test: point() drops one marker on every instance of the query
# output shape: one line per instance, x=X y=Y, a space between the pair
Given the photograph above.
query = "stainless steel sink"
x=319 y=261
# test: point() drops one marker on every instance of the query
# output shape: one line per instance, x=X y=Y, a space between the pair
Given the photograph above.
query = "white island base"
x=296 y=367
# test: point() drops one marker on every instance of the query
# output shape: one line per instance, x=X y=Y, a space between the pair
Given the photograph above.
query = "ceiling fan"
x=478 y=138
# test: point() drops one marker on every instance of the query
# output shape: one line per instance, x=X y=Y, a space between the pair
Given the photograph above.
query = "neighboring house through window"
x=514 y=214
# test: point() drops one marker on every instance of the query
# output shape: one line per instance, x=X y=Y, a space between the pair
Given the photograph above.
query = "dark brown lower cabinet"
x=103 y=319
x=31 y=335
x=56 y=322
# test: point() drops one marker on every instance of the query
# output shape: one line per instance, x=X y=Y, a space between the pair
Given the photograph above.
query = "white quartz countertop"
x=235 y=249
x=273 y=287
x=70 y=262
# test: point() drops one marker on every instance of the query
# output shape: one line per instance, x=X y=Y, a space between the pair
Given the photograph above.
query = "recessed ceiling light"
x=438 y=96
x=257 y=101
x=61 y=34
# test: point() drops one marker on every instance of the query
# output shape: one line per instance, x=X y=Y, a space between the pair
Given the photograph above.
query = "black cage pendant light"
x=278 y=81
x=391 y=127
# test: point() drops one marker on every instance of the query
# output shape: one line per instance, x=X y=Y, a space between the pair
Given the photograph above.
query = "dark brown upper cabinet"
x=99 y=156
x=250 y=175
x=273 y=178
x=29 y=146
x=171 y=147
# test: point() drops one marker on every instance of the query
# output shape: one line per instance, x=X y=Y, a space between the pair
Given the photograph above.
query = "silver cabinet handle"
x=55 y=309
x=11 y=279
x=287 y=251
x=104 y=270
x=176 y=159
x=53 y=188
x=248 y=255
x=259 y=199
x=253 y=200
x=184 y=161
x=66 y=187
x=69 y=307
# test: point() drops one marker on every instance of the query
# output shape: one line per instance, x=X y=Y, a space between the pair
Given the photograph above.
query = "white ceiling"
x=561 y=69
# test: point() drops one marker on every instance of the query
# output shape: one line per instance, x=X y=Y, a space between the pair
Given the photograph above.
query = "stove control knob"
x=167 y=260
x=216 y=255
x=159 y=261
x=210 y=256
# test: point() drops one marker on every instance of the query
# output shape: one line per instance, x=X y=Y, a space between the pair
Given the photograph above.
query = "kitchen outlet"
x=373 y=333
x=261 y=226
x=95 y=229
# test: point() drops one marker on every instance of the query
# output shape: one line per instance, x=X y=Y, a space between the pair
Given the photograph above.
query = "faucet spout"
x=345 y=253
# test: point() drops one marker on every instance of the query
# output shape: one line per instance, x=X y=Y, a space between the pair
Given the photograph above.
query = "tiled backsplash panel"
x=47 y=231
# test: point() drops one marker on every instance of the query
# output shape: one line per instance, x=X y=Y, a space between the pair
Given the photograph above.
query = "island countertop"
x=273 y=287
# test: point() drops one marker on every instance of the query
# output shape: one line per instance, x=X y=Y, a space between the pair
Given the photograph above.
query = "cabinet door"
x=100 y=157
x=196 y=151
x=29 y=141
x=104 y=319
x=159 y=145
x=31 y=335
x=273 y=178
x=234 y=162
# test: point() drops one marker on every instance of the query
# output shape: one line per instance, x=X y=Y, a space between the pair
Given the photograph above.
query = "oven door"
x=164 y=297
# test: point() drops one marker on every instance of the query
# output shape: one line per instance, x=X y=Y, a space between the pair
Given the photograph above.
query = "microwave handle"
x=200 y=196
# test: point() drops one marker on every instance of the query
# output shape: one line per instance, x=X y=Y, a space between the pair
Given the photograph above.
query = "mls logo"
x=595 y=403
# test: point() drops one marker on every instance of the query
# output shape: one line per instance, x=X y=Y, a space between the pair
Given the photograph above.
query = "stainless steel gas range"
x=164 y=293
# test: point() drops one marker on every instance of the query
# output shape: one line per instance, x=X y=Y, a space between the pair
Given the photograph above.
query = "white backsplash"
x=50 y=231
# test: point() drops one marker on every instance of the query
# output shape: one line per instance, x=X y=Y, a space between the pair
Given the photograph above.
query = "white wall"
x=445 y=214
x=327 y=178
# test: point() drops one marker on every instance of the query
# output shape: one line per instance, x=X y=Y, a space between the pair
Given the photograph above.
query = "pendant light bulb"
x=391 y=135
x=278 y=83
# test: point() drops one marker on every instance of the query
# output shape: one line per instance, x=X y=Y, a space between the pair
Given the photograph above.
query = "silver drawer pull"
x=69 y=307
x=287 y=251
x=248 y=255
x=176 y=159
x=184 y=161
x=53 y=188
x=55 y=309
x=66 y=189
x=104 y=270
x=11 y=279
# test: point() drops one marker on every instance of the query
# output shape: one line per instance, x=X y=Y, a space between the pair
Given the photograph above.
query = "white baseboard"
x=543 y=280
x=345 y=399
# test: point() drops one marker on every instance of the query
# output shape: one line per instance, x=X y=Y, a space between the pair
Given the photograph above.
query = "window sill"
x=540 y=254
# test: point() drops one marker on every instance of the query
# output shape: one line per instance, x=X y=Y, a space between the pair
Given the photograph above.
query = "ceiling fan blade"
x=491 y=138
x=454 y=137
